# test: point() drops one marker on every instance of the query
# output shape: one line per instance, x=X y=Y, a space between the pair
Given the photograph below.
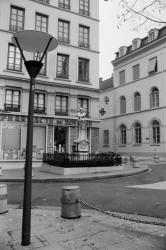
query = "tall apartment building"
x=133 y=102
x=67 y=82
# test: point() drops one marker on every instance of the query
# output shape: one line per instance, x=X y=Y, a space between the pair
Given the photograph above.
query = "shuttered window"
x=136 y=72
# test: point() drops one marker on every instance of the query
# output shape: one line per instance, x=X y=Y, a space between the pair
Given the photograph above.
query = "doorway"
x=60 y=139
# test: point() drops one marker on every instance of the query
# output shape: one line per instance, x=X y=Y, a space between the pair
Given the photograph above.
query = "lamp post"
x=34 y=42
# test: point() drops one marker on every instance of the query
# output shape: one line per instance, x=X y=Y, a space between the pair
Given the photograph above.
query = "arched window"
x=123 y=139
x=137 y=101
x=154 y=97
x=155 y=132
x=122 y=105
x=137 y=133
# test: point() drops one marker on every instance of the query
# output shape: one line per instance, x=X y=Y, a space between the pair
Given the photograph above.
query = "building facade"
x=67 y=81
x=134 y=103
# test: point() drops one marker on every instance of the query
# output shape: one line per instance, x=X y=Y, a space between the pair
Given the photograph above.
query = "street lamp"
x=34 y=42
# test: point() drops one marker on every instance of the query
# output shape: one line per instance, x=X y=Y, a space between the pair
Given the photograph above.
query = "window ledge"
x=62 y=79
x=13 y=71
x=155 y=144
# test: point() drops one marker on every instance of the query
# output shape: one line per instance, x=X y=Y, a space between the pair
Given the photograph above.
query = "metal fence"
x=82 y=160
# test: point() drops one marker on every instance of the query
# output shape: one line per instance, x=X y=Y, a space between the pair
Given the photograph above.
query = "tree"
x=142 y=12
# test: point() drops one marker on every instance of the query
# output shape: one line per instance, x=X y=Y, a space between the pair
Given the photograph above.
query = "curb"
x=72 y=179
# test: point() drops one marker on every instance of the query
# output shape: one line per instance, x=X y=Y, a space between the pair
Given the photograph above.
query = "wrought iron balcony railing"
x=39 y=110
x=64 y=6
x=11 y=107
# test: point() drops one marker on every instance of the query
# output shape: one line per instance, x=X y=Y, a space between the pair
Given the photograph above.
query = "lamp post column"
x=26 y=222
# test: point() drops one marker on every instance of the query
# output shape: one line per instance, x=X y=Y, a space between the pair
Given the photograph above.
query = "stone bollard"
x=71 y=206
x=3 y=199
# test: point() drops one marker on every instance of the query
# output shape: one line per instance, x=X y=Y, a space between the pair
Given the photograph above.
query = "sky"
x=111 y=38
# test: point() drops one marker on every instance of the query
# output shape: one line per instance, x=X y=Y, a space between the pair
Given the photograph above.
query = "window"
x=83 y=36
x=12 y=100
x=43 y=70
x=63 y=31
x=61 y=105
x=137 y=101
x=83 y=70
x=39 y=103
x=41 y=22
x=137 y=133
x=123 y=135
x=106 y=99
x=14 y=58
x=136 y=72
x=122 y=77
x=65 y=4
x=155 y=132
x=106 y=138
x=152 y=66
x=134 y=44
x=62 y=66
x=83 y=103
x=122 y=105
x=154 y=98
x=151 y=36
x=84 y=7
x=16 y=19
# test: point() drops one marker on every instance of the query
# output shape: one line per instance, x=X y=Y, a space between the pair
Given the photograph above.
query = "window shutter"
x=152 y=65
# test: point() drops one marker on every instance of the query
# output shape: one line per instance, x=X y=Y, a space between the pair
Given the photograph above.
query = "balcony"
x=84 y=12
x=62 y=112
x=63 y=40
x=15 y=28
x=11 y=107
x=44 y=1
x=64 y=6
x=39 y=110
x=84 y=44
x=83 y=78
x=62 y=75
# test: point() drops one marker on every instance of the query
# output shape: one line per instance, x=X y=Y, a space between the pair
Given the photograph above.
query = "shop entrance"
x=60 y=139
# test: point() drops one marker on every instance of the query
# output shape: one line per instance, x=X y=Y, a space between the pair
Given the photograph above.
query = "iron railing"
x=82 y=160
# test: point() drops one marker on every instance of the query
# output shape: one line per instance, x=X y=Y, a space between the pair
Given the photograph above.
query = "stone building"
x=133 y=101
x=67 y=82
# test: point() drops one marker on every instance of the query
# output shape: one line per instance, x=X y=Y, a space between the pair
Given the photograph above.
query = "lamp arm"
x=20 y=49
x=46 y=49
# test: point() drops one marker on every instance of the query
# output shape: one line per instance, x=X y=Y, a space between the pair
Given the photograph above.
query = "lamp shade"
x=34 y=41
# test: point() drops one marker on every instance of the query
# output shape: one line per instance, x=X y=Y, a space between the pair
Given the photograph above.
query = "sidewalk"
x=17 y=175
x=92 y=231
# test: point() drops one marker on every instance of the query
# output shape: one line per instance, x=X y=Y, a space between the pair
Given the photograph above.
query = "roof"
x=108 y=83
x=144 y=42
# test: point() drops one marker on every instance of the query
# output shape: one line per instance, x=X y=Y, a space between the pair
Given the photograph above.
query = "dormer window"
x=136 y=43
x=122 y=51
x=153 y=34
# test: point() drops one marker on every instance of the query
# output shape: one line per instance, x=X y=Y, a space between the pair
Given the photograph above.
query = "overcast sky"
x=112 y=38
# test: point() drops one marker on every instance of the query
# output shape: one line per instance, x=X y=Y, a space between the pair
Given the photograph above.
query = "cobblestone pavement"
x=92 y=231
